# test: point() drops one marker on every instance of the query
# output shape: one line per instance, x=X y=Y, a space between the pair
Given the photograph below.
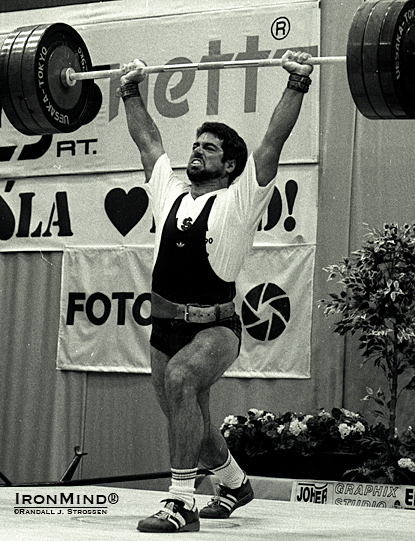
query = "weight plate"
x=5 y=92
x=408 y=70
x=370 y=60
x=49 y=50
x=396 y=58
x=15 y=81
x=354 y=61
x=94 y=104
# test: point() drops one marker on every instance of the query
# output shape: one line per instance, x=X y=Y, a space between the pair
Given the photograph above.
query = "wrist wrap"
x=300 y=83
x=129 y=90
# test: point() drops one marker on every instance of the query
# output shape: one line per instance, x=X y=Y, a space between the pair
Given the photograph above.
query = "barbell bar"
x=47 y=79
x=70 y=76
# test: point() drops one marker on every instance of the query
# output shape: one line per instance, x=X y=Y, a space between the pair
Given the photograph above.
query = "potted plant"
x=336 y=445
x=391 y=460
x=377 y=301
x=322 y=445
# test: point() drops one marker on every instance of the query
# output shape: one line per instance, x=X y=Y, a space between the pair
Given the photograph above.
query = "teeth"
x=196 y=161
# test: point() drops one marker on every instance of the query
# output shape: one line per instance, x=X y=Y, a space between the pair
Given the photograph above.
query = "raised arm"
x=283 y=119
x=141 y=126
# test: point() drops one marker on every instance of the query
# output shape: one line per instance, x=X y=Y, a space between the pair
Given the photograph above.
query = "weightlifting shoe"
x=227 y=500
x=174 y=517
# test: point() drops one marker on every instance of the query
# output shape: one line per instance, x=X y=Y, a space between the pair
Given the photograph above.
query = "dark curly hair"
x=233 y=146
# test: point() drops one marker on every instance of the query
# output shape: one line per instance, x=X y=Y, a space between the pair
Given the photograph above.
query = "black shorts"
x=170 y=335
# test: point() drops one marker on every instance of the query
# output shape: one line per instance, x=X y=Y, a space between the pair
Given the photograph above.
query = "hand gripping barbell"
x=47 y=82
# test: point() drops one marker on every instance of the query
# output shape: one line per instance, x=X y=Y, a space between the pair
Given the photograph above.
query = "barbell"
x=47 y=81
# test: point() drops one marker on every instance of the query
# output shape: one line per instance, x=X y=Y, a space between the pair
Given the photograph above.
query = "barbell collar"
x=70 y=76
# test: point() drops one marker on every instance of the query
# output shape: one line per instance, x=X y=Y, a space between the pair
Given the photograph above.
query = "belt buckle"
x=186 y=312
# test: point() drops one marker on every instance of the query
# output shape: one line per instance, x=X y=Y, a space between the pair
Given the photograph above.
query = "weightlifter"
x=196 y=333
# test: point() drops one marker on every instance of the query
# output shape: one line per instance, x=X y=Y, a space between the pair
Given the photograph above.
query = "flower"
x=295 y=427
x=230 y=420
x=233 y=429
x=261 y=431
x=344 y=430
x=407 y=463
x=359 y=427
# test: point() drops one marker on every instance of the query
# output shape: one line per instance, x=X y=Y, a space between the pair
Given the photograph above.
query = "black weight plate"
x=370 y=60
x=354 y=61
x=408 y=69
x=94 y=105
x=396 y=61
x=15 y=81
x=5 y=92
x=49 y=50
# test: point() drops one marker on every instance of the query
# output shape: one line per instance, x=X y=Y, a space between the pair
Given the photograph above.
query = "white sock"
x=183 y=486
x=230 y=474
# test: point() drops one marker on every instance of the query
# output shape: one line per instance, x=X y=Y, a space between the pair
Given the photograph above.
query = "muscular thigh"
x=204 y=360
x=199 y=355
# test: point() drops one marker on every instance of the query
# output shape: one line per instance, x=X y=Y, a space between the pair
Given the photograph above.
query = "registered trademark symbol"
x=112 y=498
x=280 y=28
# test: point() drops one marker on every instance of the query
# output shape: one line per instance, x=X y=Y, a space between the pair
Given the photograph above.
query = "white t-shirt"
x=233 y=220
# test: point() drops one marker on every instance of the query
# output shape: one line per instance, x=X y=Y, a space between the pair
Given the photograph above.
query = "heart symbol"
x=125 y=210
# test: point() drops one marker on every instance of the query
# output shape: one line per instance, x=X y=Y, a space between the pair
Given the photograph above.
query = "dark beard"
x=199 y=177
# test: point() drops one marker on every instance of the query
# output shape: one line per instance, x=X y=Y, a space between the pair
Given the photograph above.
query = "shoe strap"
x=168 y=513
x=223 y=499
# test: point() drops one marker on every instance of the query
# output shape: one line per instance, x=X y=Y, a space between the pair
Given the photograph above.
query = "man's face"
x=205 y=162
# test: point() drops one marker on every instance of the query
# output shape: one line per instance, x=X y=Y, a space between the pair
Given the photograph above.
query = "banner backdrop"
x=180 y=101
x=105 y=306
x=274 y=298
x=112 y=210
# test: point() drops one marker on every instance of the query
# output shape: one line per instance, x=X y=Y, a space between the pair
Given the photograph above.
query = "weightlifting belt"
x=191 y=313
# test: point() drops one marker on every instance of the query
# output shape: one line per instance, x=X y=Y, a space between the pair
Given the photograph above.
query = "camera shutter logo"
x=266 y=312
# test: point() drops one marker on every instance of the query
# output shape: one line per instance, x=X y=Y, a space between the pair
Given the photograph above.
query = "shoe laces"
x=216 y=500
